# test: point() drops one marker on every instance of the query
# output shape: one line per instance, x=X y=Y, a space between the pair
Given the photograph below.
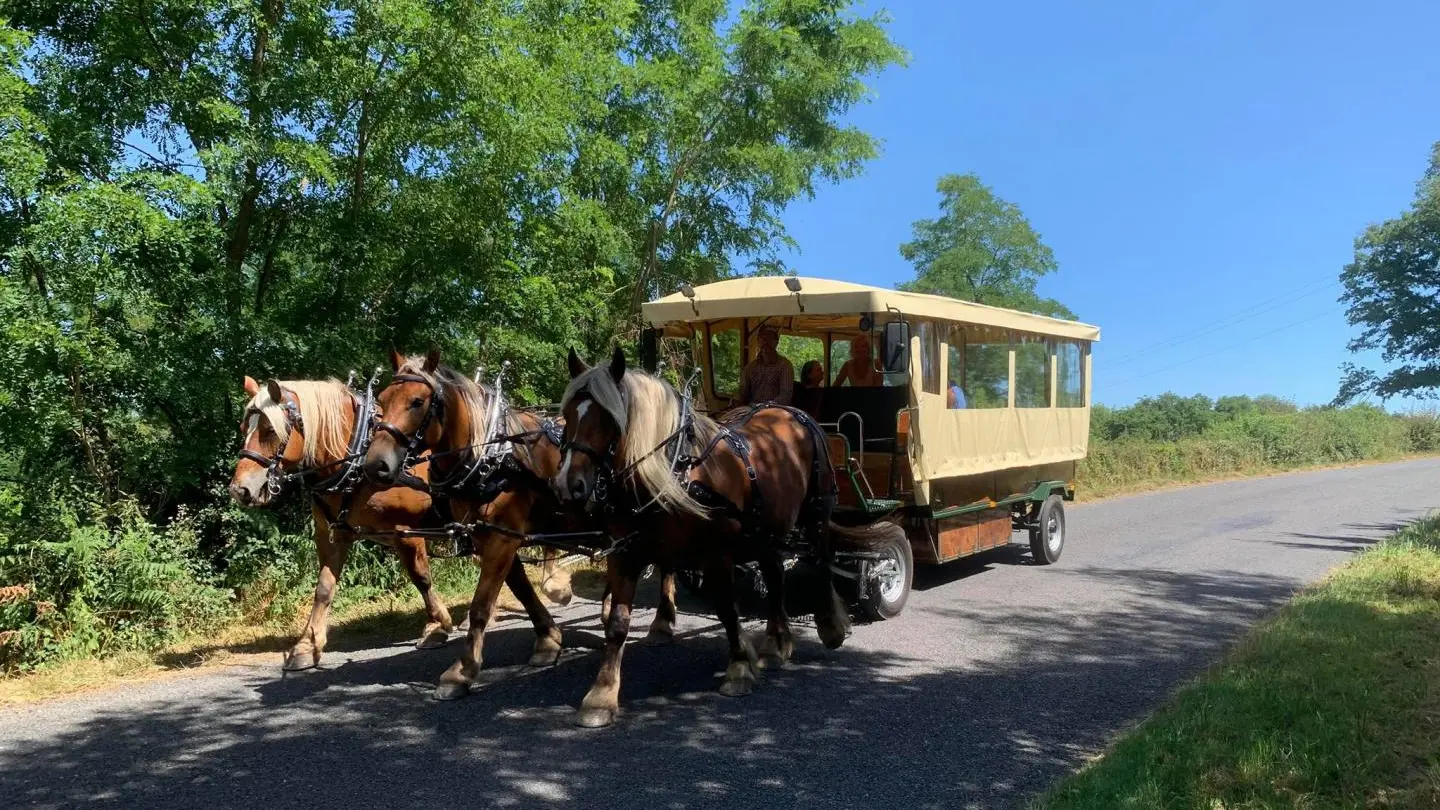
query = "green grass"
x=1333 y=703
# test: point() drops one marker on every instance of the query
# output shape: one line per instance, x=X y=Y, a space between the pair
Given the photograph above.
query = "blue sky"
x=1200 y=173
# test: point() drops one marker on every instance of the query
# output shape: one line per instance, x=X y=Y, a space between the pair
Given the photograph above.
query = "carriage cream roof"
x=767 y=296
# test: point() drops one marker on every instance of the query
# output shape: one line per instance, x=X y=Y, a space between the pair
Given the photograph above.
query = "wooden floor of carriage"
x=998 y=678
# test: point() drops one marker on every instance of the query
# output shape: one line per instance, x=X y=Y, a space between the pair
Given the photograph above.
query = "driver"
x=769 y=377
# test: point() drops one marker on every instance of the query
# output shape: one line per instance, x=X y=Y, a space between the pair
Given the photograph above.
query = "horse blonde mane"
x=476 y=398
x=647 y=410
x=326 y=411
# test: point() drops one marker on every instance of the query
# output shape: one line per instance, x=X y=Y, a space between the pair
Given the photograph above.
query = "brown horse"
x=685 y=491
x=322 y=415
x=489 y=475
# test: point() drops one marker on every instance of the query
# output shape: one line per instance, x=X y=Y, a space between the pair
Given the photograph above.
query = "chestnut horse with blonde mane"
x=684 y=491
x=322 y=414
x=492 y=465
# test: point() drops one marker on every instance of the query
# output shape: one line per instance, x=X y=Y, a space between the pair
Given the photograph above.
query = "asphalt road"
x=999 y=677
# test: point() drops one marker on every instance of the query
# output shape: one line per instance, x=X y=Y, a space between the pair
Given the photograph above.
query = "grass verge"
x=1098 y=488
x=1332 y=703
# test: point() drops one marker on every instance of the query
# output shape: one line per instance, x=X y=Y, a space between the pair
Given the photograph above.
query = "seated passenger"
x=955 y=397
x=811 y=389
x=769 y=377
x=859 y=370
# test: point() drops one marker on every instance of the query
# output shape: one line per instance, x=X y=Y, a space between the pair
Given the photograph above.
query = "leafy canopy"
x=1393 y=291
x=981 y=248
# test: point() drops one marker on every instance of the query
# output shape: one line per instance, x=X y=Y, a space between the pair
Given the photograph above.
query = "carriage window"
x=980 y=368
x=725 y=362
x=1069 y=365
x=929 y=357
x=839 y=354
x=1032 y=372
x=801 y=350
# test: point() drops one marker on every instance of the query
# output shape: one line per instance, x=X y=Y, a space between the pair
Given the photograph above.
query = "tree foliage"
x=1392 y=289
x=981 y=248
x=194 y=191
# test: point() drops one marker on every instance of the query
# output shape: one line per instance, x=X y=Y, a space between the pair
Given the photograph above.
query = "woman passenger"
x=811 y=388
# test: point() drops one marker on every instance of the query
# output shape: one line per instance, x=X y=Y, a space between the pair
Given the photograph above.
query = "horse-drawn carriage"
x=855 y=487
x=960 y=470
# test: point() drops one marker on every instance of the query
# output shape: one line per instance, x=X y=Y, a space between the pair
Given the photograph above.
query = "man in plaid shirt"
x=769 y=377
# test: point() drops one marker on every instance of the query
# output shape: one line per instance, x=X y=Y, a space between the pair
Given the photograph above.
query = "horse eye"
x=416 y=403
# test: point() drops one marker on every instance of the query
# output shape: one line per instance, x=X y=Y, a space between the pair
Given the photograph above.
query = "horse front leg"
x=332 y=551
x=416 y=560
x=602 y=703
x=779 y=643
x=662 y=630
x=740 y=674
x=496 y=558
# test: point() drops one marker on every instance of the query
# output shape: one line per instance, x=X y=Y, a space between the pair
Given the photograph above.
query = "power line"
x=1235 y=318
x=1235 y=345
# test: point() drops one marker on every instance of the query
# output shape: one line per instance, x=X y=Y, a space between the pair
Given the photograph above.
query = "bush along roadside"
x=1335 y=702
x=1179 y=440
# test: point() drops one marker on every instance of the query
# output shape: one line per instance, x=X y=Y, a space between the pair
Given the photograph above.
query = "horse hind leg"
x=832 y=618
x=779 y=645
x=547 y=635
x=662 y=629
x=740 y=674
x=436 y=632
x=556 y=581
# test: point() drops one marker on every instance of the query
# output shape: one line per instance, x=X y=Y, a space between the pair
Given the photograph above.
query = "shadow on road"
x=1353 y=536
x=848 y=728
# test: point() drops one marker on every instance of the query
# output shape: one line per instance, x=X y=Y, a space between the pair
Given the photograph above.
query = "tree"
x=982 y=249
x=196 y=190
x=1392 y=289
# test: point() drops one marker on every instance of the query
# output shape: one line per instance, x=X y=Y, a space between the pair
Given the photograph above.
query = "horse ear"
x=396 y=359
x=251 y=387
x=577 y=366
x=617 y=364
x=272 y=387
x=432 y=360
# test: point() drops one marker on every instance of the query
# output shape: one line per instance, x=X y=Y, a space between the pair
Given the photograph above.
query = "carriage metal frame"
x=958 y=481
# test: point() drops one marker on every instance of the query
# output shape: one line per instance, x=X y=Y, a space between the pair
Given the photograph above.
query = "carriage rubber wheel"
x=1047 y=539
x=888 y=588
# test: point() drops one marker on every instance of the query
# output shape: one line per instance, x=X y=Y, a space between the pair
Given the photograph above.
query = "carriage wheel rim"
x=892 y=578
x=1055 y=533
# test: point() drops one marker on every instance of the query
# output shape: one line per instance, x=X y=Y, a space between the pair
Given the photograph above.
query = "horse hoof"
x=556 y=588
x=595 y=718
x=544 y=658
x=451 y=691
x=771 y=660
x=774 y=655
x=433 y=639
x=660 y=636
x=737 y=687
x=831 y=635
x=299 y=661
